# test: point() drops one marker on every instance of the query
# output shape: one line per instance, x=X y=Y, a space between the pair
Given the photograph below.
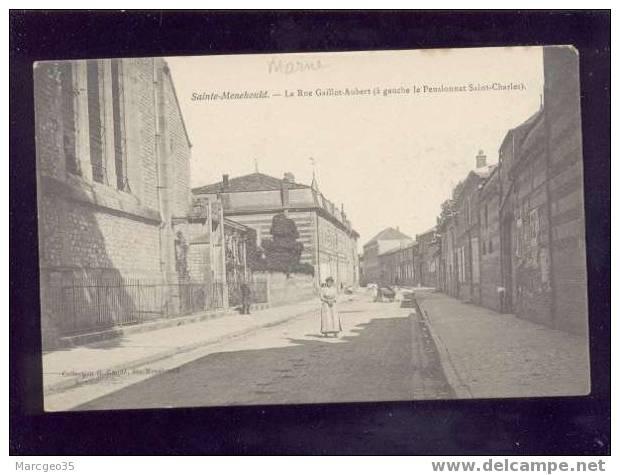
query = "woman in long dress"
x=330 y=318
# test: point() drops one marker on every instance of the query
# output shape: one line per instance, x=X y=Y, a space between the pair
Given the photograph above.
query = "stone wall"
x=566 y=188
x=285 y=290
x=531 y=250
x=100 y=231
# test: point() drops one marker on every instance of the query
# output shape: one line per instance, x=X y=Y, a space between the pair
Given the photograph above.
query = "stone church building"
x=116 y=220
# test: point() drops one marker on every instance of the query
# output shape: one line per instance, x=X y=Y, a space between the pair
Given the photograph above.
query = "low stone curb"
x=85 y=379
x=86 y=338
x=461 y=390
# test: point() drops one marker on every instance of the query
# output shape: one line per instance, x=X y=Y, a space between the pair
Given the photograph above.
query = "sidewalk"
x=66 y=368
x=485 y=354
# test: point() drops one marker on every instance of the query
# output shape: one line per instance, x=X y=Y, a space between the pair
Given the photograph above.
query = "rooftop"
x=388 y=234
x=399 y=249
x=519 y=132
x=251 y=182
x=259 y=182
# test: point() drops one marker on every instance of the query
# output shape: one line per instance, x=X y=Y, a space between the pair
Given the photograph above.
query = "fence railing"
x=84 y=307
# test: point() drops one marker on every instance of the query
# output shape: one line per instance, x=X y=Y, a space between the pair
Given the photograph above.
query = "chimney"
x=481 y=159
x=225 y=181
x=289 y=177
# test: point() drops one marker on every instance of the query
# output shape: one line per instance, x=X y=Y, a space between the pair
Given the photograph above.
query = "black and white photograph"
x=311 y=228
x=311 y=232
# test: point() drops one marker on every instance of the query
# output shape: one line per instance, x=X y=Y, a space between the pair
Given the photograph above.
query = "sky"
x=390 y=159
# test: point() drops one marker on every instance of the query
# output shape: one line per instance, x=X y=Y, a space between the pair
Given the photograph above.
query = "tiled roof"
x=388 y=234
x=251 y=182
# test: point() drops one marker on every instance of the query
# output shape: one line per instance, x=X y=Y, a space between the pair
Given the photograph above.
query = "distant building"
x=387 y=240
x=427 y=258
x=447 y=279
x=467 y=230
x=328 y=238
x=398 y=266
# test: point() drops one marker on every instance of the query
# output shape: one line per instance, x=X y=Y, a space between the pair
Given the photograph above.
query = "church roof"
x=251 y=182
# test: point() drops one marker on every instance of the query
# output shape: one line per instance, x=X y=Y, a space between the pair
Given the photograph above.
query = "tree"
x=448 y=210
x=283 y=252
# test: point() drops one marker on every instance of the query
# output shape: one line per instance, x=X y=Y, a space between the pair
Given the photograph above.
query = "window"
x=484 y=248
x=475 y=267
x=490 y=246
x=517 y=233
x=461 y=264
x=466 y=211
x=534 y=226
x=95 y=126
x=118 y=115
x=72 y=165
x=486 y=216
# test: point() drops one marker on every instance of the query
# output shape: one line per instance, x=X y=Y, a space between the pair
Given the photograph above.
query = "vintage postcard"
x=311 y=228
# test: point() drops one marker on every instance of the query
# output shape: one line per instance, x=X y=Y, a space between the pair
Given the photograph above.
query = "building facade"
x=525 y=244
x=490 y=263
x=387 y=240
x=114 y=203
x=542 y=211
x=328 y=238
x=427 y=262
x=446 y=231
x=398 y=266
x=520 y=226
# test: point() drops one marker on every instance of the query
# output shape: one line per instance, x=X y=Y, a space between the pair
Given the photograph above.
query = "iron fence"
x=90 y=306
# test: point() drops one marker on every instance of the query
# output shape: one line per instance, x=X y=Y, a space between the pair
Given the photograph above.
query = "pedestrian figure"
x=373 y=290
x=501 y=294
x=330 y=318
x=246 y=298
x=379 y=295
